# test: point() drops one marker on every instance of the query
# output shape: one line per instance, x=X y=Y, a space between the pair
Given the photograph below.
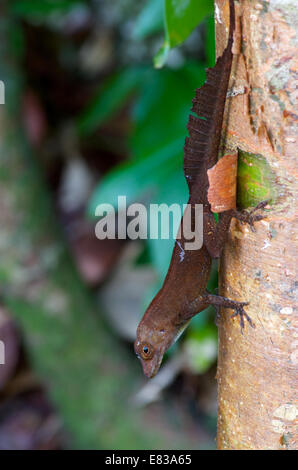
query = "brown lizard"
x=183 y=293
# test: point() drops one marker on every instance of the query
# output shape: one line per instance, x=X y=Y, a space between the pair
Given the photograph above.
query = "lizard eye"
x=146 y=351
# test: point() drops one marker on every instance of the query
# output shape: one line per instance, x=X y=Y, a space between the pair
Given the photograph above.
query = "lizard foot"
x=218 y=301
x=239 y=310
x=250 y=217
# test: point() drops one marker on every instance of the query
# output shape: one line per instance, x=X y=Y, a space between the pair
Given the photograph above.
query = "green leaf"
x=201 y=348
x=210 y=41
x=181 y=17
x=162 y=109
x=161 y=115
x=110 y=98
x=136 y=178
x=150 y=20
x=42 y=8
x=200 y=321
x=161 y=57
x=173 y=191
x=156 y=171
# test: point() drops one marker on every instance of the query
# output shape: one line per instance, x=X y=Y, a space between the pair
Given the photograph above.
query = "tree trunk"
x=257 y=371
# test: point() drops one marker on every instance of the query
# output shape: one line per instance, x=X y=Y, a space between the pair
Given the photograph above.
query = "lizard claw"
x=239 y=310
x=261 y=205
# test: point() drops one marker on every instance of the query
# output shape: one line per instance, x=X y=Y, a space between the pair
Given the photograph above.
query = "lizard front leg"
x=218 y=301
x=250 y=217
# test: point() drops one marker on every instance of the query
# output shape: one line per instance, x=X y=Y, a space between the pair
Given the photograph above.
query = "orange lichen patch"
x=222 y=184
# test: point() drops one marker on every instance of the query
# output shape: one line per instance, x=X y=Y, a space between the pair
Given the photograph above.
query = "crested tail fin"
x=201 y=147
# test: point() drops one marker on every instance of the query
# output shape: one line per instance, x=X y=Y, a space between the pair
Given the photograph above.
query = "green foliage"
x=180 y=17
x=150 y=20
x=109 y=98
x=173 y=191
x=209 y=41
x=159 y=115
x=183 y=16
x=161 y=111
x=31 y=9
x=135 y=179
x=201 y=346
x=156 y=143
x=154 y=173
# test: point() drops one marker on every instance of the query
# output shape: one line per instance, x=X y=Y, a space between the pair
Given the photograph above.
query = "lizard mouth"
x=151 y=368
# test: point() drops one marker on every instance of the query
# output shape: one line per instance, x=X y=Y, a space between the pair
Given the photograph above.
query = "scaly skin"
x=183 y=294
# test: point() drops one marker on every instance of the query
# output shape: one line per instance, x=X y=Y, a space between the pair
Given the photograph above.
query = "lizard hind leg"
x=215 y=234
x=218 y=301
x=250 y=217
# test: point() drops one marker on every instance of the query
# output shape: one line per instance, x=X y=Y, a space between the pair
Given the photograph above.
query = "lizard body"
x=183 y=293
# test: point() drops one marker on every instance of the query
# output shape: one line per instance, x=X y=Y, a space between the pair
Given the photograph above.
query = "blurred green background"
x=98 y=95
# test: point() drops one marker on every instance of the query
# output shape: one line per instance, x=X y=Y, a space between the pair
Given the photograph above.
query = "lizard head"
x=153 y=341
x=150 y=347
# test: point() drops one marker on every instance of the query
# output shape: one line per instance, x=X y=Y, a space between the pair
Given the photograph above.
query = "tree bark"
x=257 y=371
